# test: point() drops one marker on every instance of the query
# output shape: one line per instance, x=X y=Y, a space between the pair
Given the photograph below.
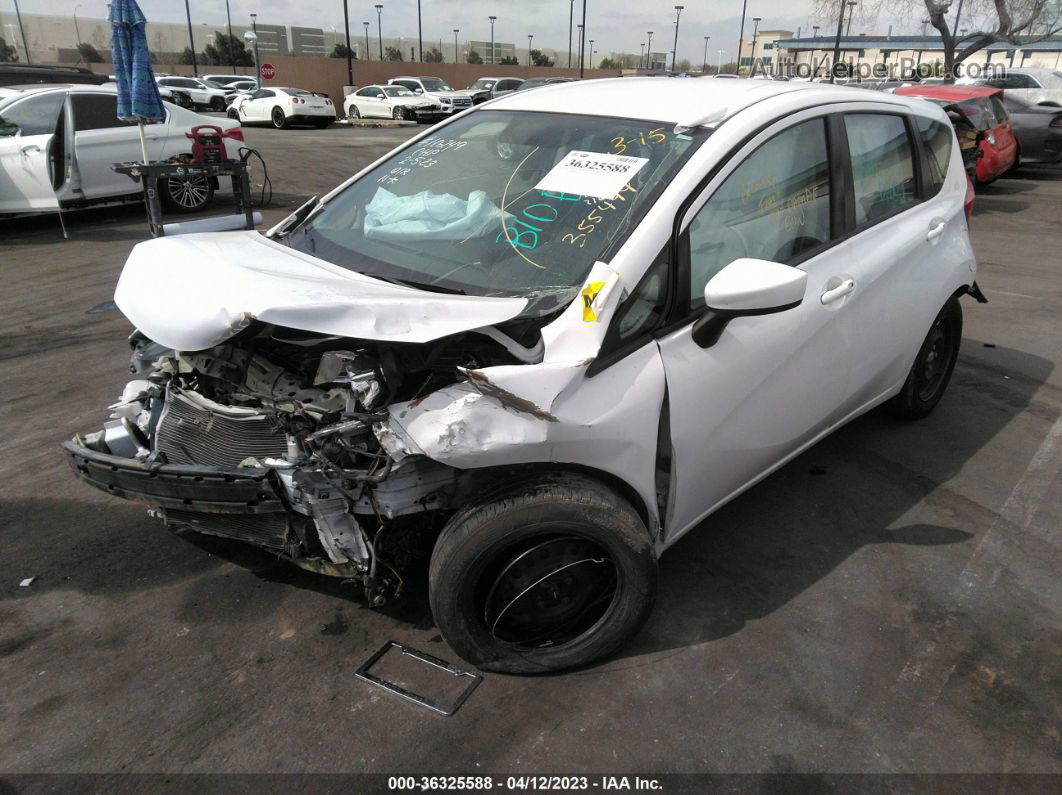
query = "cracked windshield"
x=500 y=203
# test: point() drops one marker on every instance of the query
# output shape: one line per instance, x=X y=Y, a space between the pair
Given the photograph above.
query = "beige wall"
x=330 y=74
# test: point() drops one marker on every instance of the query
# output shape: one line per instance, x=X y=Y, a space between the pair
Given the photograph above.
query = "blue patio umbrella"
x=138 y=93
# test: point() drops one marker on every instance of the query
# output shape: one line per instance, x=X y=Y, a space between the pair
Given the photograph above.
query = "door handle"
x=936 y=228
x=28 y=148
x=838 y=292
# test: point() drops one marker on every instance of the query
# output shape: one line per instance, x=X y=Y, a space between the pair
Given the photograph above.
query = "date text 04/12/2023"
x=527 y=783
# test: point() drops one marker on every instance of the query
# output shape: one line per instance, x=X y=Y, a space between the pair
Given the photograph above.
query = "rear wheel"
x=931 y=371
x=280 y=121
x=552 y=573
x=232 y=113
x=186 y=194
x=353 y=113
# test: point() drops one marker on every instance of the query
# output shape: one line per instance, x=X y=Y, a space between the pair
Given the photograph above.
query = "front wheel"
x=398 y=114
x=217 y=104
x=353 y=114
x=280 y=121
x=933 y=366
x=551 y=573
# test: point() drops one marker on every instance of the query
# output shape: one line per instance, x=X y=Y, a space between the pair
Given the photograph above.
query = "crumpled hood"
x=192 y=292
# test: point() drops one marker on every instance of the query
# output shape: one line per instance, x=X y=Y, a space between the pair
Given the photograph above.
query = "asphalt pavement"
x=890 y=601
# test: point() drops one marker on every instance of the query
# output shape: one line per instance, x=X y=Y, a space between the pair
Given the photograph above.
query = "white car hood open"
x=193 y=292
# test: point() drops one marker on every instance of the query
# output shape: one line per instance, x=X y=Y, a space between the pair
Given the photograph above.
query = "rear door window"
x=936 y=141
x=96 y=112
x=883 y=175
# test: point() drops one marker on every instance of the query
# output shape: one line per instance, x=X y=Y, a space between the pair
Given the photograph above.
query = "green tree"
x=392 y=54
x=538 y=58
x=88 y=53
x=509 y=60
x=609 y=63
x=226 y=50
x=474 y=57
x=185 y=57
x=433 y=56
x=7 y=53
x=340 y=51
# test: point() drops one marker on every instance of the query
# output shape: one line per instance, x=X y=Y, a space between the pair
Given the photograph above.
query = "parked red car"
x=983 y=106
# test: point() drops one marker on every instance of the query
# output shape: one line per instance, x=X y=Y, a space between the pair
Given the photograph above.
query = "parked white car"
x=282 y=107
x=545 y=373
x=227 y=80
x=436 y=90
x=1032 y=85
x=58 y=144
x=202 y=94
x=390 y=102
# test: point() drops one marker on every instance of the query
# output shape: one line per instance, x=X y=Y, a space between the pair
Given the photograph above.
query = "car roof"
x=676 y=101
x=948 y=93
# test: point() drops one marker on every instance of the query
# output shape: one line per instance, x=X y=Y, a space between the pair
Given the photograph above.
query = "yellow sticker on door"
x=590 y=293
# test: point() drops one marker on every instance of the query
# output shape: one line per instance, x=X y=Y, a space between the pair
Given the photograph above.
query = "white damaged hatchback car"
x=541 y=342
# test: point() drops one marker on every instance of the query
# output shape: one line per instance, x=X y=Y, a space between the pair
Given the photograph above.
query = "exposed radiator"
x=267 y=529
x=196 y=430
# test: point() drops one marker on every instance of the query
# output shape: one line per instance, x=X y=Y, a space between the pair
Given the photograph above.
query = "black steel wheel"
x=186 y=194
x=550 y=573
x=932 y=368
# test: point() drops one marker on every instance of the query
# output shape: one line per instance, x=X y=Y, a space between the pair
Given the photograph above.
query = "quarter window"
x=883 y=177
x=936 y=140
x=774 y=206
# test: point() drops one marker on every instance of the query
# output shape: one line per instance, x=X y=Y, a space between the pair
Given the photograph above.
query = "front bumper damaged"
x=228 y=490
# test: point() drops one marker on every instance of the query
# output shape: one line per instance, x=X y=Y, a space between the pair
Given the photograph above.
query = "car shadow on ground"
x=848 y=492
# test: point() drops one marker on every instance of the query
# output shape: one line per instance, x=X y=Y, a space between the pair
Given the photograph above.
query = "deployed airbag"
x=428 y=216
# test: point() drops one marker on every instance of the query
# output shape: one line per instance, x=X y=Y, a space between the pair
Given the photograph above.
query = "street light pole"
x=22 y=33
x=851 y=13
x=837 y=44
x=456 y=31
x=571 y=17
x=582 y=38
x=191 y=40
x=77 y=32
x=379 y=28
x=704 y=61
x=529 y=37
x=641 y=54
x=350 y=57
x=368 y=55
x=492 y=19
x=232 y=48
x=649 y=50
x=591 y=53
x=741 y=37
x=420 y=37
x=752 y=55
x=674 y=52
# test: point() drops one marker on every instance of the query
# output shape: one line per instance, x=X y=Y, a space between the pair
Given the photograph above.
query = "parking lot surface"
x=887 y=602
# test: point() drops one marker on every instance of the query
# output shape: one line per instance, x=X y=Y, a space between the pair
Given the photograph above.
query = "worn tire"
x=920 y=394
x=488 y=536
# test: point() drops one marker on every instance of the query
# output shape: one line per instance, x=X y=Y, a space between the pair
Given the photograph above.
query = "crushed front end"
x=273 y=438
